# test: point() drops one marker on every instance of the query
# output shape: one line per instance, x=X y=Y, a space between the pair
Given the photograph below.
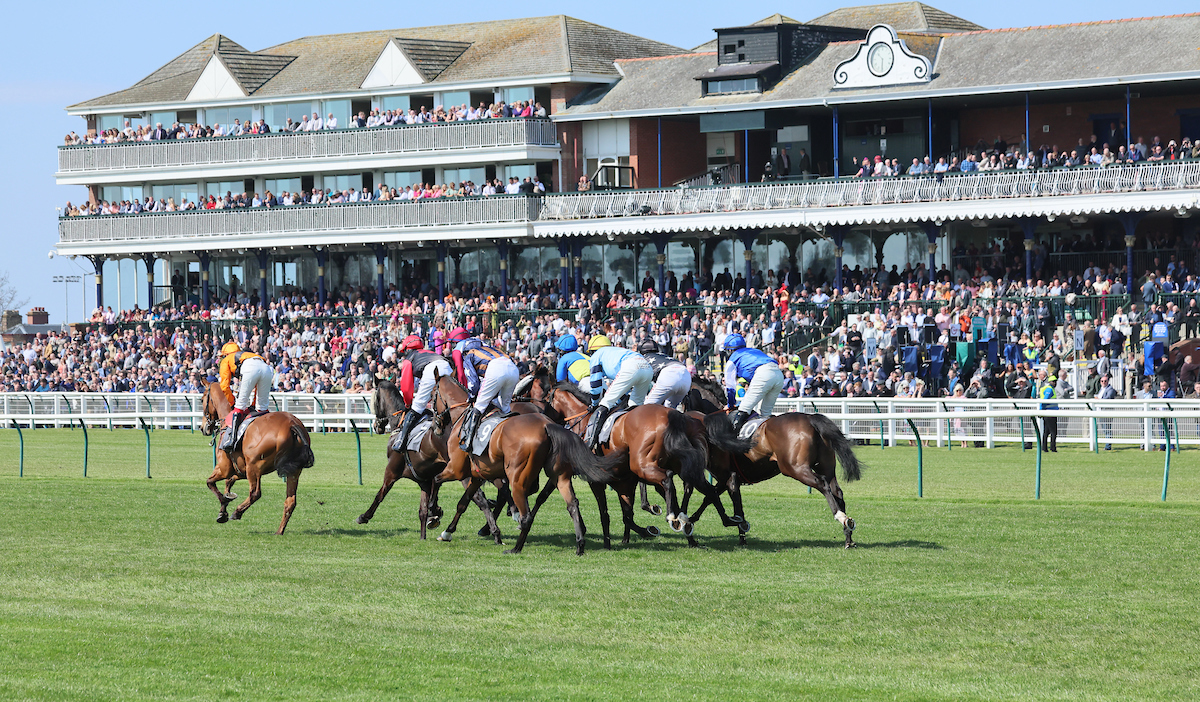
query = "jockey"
x=757 y=368
x=629 y=373
x=256 y=377
x=488 y=374
x=672 y=380
x=572 y=365
x=419 y=367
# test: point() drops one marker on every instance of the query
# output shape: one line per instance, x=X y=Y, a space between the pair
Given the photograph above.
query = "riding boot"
x=738 y=418
x=411 y=419
x=228 y=440
x=466 y=433
x=595 y=424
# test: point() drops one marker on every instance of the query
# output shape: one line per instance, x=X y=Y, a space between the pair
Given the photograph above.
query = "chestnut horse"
x=275 y=442
x=519 y=449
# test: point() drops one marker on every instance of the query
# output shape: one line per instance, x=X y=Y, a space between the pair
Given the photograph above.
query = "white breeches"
x=429 y=377
x=499 y=381
x=674 y=382
x=764 y=389
x=255 y=385
x=635 y=377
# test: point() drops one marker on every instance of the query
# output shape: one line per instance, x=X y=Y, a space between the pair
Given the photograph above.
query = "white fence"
x=1088 y=422
x=306 y=146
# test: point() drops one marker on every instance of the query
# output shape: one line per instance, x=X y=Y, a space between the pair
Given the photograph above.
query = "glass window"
x=457 y=98
x=120 y=193
x=107 y=122
x=459 y=175
x=165 y=118
x=219 y=189
x=339 y=183
x=399 y=179
x=395 y=102
x=733 y=85
x=177 y=191
x=283 y=185
x=512 y=95
x=224 y=116
x=522 y=171
x=278 y=115
x=340 y=109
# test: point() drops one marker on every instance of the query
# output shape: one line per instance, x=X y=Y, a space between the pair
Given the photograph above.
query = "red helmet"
x=459 y=334
x=412 y=342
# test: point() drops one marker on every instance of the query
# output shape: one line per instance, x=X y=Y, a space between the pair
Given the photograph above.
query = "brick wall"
x=683 y=151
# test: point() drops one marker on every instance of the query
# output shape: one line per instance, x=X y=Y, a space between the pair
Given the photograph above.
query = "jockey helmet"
x=598 y=341
x=567 y=343
x=412 y=342
x=735 y=341
x=647 y=346
x=230 y=347
x=459 y=334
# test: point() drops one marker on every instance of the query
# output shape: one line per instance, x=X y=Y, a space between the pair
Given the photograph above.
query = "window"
x=460 y=175
x=278 y=115
x=395 y=102
x=523 y=171
x=339 y=183
x=282 y=185
x=340 y=109
x=512 y=95
x=219 y=189
x=106 y=122
x=120 y=193
x=177 y=191
x=461 y=97
x=732 y=85
x=399 y=179
x=224 y=116
x=728 y=49
x=166 y=119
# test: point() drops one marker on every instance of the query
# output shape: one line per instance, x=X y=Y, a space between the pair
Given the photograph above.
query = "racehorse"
x=274 y=442
x=804 y=447
x=661 y=444
x=519 y=449
x=421 y=466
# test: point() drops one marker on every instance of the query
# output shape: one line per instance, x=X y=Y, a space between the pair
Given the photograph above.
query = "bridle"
x=211 y=423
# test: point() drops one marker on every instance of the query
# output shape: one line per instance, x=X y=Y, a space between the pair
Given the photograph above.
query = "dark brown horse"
x=276 y=442
x=520 y=449
x=804 y=447
x=421 y=466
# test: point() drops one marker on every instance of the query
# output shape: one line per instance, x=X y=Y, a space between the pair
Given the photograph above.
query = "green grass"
x=118 y=587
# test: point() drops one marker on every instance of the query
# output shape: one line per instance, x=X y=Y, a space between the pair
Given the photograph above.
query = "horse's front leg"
x=652 y=509
x=289 y=502
x=395 y=468
x=465 y=500
x=254 y=478
x=220 y=473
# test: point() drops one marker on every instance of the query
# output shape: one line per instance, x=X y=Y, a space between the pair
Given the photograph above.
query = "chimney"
x=37 y=315
x=9 y=319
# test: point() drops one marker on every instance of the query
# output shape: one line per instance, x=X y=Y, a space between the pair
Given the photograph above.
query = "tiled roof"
x=340 y=62
x=902 y=16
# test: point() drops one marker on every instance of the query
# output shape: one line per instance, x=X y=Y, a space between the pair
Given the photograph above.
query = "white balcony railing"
x=847 y=192
x=303 y=146
x=300 y=219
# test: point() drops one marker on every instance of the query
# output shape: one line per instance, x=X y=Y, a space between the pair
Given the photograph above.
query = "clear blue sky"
x=70 y=51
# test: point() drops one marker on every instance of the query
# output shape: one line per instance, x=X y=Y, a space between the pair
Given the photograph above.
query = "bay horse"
x=661 y=443
x=277 y=442
x=421 y=466
x=519 y=449
x=804 y=447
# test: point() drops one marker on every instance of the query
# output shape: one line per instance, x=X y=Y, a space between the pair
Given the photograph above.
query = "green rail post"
x=321 y=410
x=1167 y=465
x=1037 y=484
x=108 y=409
x=146 y=429
x=882 y=441
x=20 y=438
x=949 y=443
x=72 y=423
x=85 y=446
x=214 y=448
x=920 y=459
x=32 y=423
x=358 y=444
x=149 y=406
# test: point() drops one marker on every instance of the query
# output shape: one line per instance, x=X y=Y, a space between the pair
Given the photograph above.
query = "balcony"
x=400 y=147
x=1002 y=194
x=499 y=216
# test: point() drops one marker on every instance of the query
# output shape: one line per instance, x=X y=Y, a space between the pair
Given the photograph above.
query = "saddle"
x=414 y=437
x=751 y=426
x=610 y=422
x=487 y=425
x=246 y=422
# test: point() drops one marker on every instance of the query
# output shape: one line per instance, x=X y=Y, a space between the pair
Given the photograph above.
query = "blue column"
x=746 y=155
x=1130 y=220
x=564 y=250
x=660 y=245
x=380 y=257
x=1028 y=225
x=502 y=249
x=1028 y=138
x=205 y=295
x=748 y=236
x=1128 y=130
x=659 y=152
x=98 y=264
x=149 y=259
x=837 y=146
x=441 y=271
x=837 y=233
x=264 y=260
x=932 y=229
x=322 y=257
x=929 y=101
x=577 y=265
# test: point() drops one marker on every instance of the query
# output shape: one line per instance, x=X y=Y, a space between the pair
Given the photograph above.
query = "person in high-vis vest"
x=760 y=370
x=628 y=373
x=255 y=378
x=418 y=372
x=1047 y=393
x=573 y=365
x=672 y=379
x=488 y=374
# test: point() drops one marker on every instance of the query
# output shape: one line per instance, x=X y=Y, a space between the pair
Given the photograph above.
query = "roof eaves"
x=566 y=42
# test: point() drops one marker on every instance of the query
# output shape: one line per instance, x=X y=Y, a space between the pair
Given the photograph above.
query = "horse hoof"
x=736 y=519
x=237 y=515
x=579 y=550
x=433 y=523
x=231 y=496
x=511 y=551
x=653 y=531
x=744 y=527
x=484 y=530
x=607 y=545
x=221 y=519
x=688 y=529
x=851 y=544
x=362 y=519
x=849 y=523
x=653 y=509
x=445 y=536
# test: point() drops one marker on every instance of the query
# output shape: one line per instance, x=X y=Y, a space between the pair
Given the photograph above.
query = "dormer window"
x=732 y=85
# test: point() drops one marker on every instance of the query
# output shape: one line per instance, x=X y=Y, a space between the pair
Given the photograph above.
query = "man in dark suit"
x=158 y=133
x=505 y=109
x=648 y=283
x=783 y=163
x=803 y=163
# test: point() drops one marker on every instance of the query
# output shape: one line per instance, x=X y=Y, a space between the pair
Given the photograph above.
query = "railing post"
x=21 y=439
x=146 y=429
x=920 y=459
x=1167 y=464
x=358 y=445
x=1037 y=485
x=83 y=426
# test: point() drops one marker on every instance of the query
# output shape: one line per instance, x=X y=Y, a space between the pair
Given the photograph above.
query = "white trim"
x=903 y=67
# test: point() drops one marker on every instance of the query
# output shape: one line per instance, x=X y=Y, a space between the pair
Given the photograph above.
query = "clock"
x=880 y=59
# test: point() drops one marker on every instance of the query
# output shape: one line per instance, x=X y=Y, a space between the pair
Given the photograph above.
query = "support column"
x=577 y=264
x=837 y=234
x=322 y=258
x=441 y=271
x=205 y=294
x=837 y=147
x=502 y=249
x=380 y=257
x=457 y=255
x=149 y=260
x=564 y=249
x=98 y=264
x=264 y=260
x=660 y=241
x=1028 y=225
x=932 y=229
x=748 y=237
x=1130 y=221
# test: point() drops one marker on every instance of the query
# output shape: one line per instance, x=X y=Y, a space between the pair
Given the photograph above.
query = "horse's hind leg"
x=652 y=509
x=395 y=467
x=837 y=505
x=625 y=493
x=221 y=472
x=503 y=495
x=491 y=527
x=568 y=494
x=254 y=478
x=289 y=502
x=598 y=489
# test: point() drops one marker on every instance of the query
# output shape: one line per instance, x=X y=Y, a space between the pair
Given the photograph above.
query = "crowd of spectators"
x=376 y=118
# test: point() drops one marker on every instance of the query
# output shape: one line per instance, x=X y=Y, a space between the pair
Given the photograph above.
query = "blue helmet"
x=734 y=341
x=567 y=343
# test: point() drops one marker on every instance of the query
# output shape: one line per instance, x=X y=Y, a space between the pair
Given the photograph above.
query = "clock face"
x=880 y=59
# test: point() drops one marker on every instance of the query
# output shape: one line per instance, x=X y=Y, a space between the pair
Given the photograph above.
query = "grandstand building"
x=740 y=154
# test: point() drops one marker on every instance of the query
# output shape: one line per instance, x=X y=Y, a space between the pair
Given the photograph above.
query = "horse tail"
x=298 y=457
x=566 y=445
x=720 y=433
x=829 y=432
x=692 y=455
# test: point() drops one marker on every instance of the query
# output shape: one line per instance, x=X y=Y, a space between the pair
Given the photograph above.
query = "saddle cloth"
x=414 y=437
x=241 y=432
x=750 y=427
x=607 y=429
x=483 y=435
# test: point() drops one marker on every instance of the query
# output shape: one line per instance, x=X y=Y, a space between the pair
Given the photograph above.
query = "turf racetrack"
x=118 y=587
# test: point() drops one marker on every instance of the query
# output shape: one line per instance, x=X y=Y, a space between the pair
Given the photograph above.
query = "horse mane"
x=388 y=389
x=709 y=385
x=574 y=389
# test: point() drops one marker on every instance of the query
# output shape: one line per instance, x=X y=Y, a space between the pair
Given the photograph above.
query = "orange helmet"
x=230 y=347
x=412 y=342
